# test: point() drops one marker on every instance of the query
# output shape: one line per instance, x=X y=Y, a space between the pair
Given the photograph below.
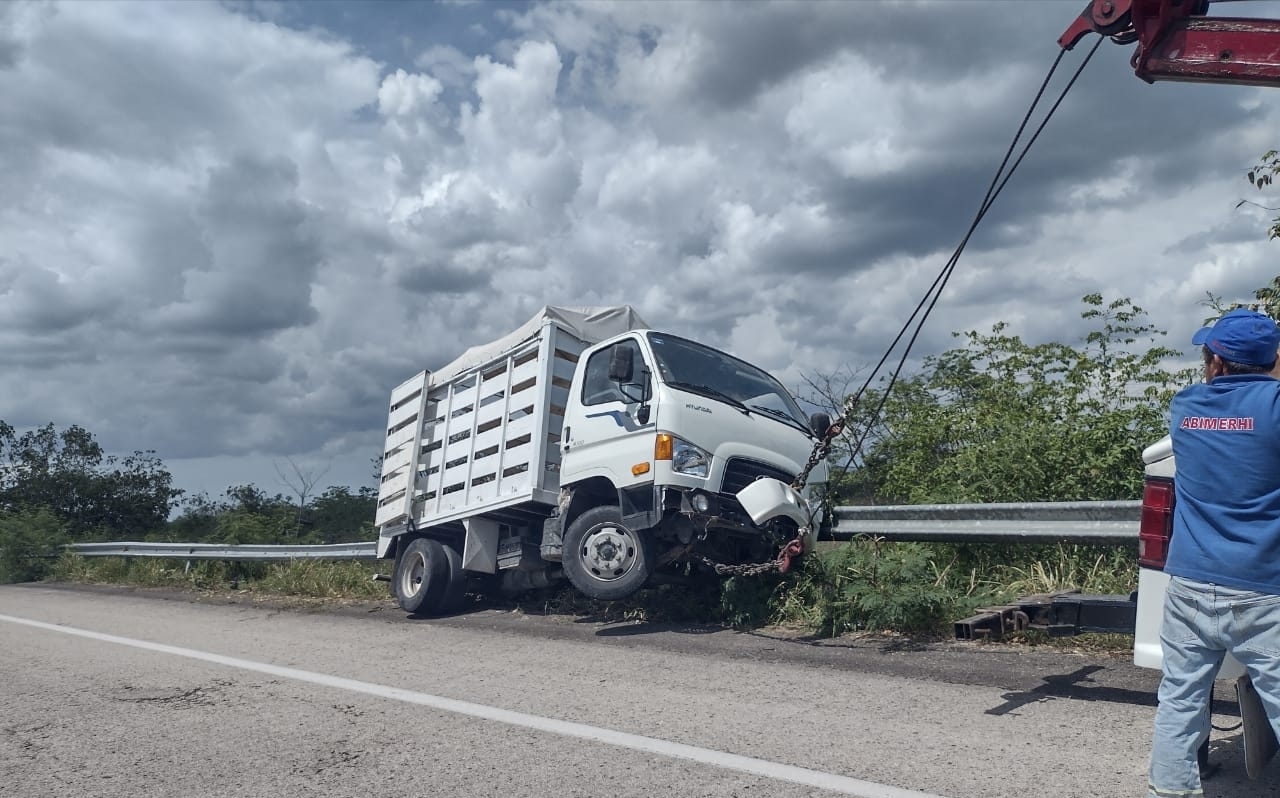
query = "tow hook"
x=793 y=549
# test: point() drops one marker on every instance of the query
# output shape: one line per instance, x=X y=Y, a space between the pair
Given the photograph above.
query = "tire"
x=456 y=591
x=604 y=559
x=421 y=578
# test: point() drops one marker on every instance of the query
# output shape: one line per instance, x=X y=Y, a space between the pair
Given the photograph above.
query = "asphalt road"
x=115 y=692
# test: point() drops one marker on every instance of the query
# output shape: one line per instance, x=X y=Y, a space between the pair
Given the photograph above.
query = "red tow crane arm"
x=1178 y=41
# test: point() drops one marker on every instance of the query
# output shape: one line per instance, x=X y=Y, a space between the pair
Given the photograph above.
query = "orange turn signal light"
x=639 y=468
x=663 y=446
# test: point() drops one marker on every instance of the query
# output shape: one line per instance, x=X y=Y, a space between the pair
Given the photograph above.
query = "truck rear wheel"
x=456 y=592
x=421 y=580
x=603 y=558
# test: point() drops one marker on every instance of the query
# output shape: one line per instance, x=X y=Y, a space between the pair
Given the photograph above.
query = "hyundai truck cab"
x=676 y=430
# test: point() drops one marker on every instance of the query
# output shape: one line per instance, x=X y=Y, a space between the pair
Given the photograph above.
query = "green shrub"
x=30 y=543
x=871 y=585
x=749 y=601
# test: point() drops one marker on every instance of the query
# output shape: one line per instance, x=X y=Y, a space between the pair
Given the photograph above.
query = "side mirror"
x=620 y=364
x=820 y=423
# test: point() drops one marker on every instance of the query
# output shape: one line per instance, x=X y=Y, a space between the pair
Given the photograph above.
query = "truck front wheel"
x=603 y=558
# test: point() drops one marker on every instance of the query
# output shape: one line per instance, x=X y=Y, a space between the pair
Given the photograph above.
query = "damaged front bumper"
x=765 y=507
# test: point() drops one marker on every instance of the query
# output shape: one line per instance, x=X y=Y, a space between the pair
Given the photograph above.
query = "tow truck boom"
x=1177 y=40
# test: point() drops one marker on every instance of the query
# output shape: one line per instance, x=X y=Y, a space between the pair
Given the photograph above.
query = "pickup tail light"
x=1157 y=522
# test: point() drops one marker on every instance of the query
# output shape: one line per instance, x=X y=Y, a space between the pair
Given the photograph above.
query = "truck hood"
x=726 y=431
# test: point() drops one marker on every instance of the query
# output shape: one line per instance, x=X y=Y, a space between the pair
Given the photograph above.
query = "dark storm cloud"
x=442 y=279
x=759 y=44
x=1239 y=229
x=10 y=50
x=34 y=301
x=41 y=354
x=745 y=48
x=749 y=47
x=137 y=104
x=927 y=206
x=263 y=254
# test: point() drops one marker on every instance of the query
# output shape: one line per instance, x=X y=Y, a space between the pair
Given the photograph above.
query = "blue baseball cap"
x=1242 y=336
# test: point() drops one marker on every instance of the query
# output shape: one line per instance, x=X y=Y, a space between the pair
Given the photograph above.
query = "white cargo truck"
x=585 y=445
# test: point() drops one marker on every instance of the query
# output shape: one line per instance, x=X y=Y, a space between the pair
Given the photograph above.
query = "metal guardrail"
x=1104 y=523
x=219 y=551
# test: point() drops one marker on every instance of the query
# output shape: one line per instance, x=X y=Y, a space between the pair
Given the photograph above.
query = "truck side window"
x=597 y=388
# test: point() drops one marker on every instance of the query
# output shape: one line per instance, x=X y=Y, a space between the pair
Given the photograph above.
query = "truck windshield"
x=693 y=367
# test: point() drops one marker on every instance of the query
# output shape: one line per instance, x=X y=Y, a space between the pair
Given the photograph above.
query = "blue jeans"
x=1202 y=622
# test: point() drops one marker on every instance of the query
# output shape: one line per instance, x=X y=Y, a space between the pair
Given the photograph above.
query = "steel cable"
x=931 y=296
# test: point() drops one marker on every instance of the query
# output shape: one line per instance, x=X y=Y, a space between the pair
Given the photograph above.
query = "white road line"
x=706 y=756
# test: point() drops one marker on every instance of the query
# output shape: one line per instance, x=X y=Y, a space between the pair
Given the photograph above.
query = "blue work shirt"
x=1226 y=523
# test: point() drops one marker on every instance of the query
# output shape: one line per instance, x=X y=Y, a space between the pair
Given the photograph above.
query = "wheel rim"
x=411 y=578
x=609 y=552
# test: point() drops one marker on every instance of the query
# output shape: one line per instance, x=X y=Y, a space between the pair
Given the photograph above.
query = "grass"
x=312 y=578
x=1089 y=569
x=864 y=586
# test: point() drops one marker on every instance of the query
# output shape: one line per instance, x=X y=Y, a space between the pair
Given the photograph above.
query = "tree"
x=249 y=515
x=339 y=516
x=301 y=483
x=253 y=500
x=95 y=495
x=1002 y=420
x=1261 y=177
x=198 y=521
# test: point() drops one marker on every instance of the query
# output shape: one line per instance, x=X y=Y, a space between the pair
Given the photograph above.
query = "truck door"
x=604 y=434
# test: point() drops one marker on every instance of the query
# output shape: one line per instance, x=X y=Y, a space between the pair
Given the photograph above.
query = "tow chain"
x=780 y=564
x=823 y=446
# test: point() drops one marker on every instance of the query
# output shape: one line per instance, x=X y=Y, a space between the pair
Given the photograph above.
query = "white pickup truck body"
x=585 y=441
x=1152 y=581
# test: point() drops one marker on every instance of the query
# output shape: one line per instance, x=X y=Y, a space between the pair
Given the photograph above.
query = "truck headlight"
x=689 y=459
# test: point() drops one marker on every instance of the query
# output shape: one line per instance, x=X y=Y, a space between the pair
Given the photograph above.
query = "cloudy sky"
x=227 y=230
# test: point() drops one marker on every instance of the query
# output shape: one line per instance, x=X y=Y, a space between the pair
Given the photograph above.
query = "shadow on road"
x=1078 y=685
x=646 y=628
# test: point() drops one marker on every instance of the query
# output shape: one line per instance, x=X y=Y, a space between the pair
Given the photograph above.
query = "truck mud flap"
x=1259 y=736
x=1062 y=614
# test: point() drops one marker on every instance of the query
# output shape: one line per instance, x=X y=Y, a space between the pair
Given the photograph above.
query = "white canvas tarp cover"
x=589 y=324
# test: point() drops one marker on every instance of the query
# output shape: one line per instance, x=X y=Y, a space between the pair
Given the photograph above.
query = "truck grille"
x=740 y=472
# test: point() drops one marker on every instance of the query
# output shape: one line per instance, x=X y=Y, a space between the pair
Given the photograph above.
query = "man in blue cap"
x=1224 y=556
